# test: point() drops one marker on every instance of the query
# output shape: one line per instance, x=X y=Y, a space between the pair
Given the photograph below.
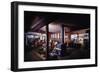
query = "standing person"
x=63 y=50
x=58 y=46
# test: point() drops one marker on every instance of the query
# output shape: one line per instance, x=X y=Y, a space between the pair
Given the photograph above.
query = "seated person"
x=55 y=52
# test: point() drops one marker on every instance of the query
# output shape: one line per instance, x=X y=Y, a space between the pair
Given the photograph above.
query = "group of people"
x=57 y=49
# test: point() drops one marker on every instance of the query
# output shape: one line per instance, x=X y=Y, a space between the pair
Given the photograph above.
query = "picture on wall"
x=52 y=36
x=68 y=36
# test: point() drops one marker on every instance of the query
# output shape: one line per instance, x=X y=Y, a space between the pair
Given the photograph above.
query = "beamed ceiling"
x=33 y=21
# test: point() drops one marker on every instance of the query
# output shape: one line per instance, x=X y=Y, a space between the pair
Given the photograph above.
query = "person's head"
x=55 y=43
x=58 y=42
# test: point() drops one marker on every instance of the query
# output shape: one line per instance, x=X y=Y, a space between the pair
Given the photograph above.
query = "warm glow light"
x=54 y=27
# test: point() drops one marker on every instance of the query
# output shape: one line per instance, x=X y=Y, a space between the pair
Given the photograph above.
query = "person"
x=58 y=45
x=55 y=52
x=58 y=48
x=63 y=50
